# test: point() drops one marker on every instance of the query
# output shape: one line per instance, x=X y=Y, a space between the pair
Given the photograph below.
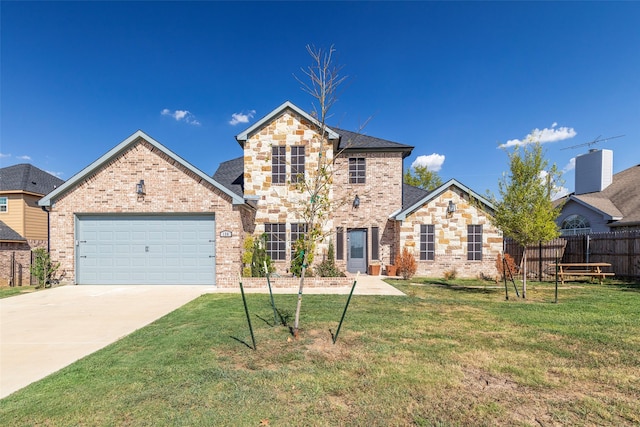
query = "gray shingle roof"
x=231 y=175
x=26 y=177
x=8 y=233
x=412 y=195
x=357 y=141
x=621 y=198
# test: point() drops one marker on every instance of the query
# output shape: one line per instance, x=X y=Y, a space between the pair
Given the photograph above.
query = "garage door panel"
x=126 y=249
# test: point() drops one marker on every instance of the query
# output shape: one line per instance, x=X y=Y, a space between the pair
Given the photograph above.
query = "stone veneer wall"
x=281 y=203
x=451 y=237
x=170 y=188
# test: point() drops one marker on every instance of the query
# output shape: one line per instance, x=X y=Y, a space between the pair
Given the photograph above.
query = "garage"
x=145 y=249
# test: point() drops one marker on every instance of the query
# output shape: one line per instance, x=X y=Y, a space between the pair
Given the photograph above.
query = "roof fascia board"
x=401 y=216
x=117 y=150
x=594 y=209
x=242 y=137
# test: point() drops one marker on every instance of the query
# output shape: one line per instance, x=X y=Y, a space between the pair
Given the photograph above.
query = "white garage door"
x=149 y=250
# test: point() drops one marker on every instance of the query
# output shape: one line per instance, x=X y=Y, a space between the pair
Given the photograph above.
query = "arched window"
x=575 y=224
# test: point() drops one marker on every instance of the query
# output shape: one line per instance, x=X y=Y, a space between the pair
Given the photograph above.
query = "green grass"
x=9 y=291
x=449 y=354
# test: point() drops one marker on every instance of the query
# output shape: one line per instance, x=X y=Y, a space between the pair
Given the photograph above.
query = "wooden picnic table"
x=584 y=269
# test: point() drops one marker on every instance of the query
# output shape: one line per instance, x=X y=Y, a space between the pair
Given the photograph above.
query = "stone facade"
x=170 y=188
x=451 y=236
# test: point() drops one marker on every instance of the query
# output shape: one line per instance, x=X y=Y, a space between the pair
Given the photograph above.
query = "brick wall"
x=20 y=255
x=451 y=237
x=170 y=188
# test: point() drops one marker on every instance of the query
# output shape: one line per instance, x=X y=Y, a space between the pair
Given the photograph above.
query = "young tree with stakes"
x=526 y=212
x=324 y=81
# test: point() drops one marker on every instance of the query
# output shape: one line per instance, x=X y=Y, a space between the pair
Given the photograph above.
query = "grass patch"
x=451 y=353
x=9 y=291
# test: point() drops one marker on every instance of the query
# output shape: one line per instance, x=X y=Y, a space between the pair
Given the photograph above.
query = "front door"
x=357 y=251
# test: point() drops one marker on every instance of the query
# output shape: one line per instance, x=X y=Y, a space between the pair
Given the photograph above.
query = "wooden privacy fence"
x=621 y=249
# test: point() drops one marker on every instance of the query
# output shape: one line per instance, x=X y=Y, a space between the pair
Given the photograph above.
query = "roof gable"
x=118 y=150
x=432 y=195
x=28 y=178
x=242 y=137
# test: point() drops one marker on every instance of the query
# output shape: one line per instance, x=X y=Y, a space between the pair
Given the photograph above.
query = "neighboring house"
x=141 y=214
x=603 y=201
x=23 y=224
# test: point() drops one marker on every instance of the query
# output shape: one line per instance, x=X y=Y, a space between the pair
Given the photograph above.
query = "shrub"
x=42 y=268
x=511 y=265
x=406 y=264
x=450 y=274
x=327 y=268
x=254 y=257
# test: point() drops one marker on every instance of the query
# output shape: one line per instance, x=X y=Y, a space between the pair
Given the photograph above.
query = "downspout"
x=44 y=208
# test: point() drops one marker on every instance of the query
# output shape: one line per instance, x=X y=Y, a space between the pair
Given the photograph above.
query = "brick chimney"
x=594 y=171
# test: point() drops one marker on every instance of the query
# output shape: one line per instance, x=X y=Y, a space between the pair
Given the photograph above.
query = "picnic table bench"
x=583 y=269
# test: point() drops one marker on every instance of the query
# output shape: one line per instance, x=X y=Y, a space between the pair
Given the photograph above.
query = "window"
x=427 y=242
x=357 y=170
x=297 y=231
x=340 y=243
x=3 y=204
x=474 y=242
x=575 y=224
x=278 y=165
x=375 y=243
x=297 y=164
x=276 y=243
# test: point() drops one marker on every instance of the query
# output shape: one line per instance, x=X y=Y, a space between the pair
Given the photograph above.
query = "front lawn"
x=9 y=291
x=448 y=354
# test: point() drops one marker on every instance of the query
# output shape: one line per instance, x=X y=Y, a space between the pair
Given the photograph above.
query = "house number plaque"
x=226 y=233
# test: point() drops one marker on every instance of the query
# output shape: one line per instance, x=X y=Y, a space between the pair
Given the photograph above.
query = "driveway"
x=45 y=331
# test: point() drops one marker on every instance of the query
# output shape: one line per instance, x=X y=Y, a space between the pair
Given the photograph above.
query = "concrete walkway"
x=45 y=331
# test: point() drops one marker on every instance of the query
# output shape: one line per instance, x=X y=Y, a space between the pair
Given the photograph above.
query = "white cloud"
x=556 y=192
x=543 y=136
x=185 y=115
x=58 y=174
x=570 y=166
x=433 y=162
x=23 y=157
x=3 y=155
x=237 y=118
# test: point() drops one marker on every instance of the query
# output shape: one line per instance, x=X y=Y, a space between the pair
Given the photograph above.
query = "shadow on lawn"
x=472 y=289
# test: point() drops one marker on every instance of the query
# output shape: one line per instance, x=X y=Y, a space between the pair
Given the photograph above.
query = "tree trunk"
x=303 y=273
x=524 y=273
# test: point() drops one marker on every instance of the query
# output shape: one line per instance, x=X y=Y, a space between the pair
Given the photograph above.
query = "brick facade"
x=170 y=188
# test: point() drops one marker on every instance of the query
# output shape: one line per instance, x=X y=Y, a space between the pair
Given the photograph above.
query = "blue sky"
x=453 y=79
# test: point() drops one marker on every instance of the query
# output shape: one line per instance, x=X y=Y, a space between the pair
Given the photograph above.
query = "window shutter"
x=375 y=244
x=340 y=243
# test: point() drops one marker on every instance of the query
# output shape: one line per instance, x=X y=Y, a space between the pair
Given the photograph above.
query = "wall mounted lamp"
x=451 y=208
x=356 y=202
x=140 y=190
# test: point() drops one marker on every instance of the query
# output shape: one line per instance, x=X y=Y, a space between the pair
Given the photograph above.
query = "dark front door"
x=357 y=251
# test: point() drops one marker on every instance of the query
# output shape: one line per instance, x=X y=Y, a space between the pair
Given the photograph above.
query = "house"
x=23 y=225
x=141 y=214
x=602 y=201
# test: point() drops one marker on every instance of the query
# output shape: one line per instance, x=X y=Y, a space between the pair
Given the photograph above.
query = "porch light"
x=451 y=208
x=356 y=202
x=140 y=190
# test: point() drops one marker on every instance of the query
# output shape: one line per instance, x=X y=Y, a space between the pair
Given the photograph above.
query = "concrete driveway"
x=45 y=331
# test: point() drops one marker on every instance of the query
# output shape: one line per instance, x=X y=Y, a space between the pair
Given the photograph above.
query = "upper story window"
x=427 y=242
x=357 y=170
x=297 y=164
x=3 y=204
x=276 y=241
x=278 y=165
x=474 y=242
x=575 y=224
